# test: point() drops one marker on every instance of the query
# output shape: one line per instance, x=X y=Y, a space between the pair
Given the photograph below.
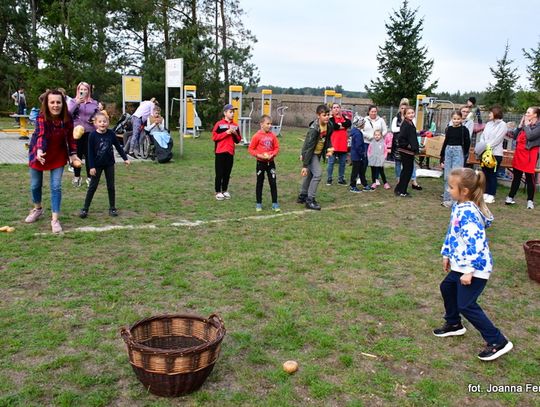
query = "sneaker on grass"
x=493 y=351
x=509 y=201
x=258 y=207
x=219 y=196
x=34 y=215
x=449 y=330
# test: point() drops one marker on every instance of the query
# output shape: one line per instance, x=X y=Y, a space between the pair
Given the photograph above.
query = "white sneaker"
x=490 y=199
x=76 y=181
x=485 y=196
x=226 y=195
x=530 y=204
x=377 y=182
x=220 y=196
x=509 y=201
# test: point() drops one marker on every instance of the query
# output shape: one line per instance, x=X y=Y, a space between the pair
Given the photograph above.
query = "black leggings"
x=359 y=170
x=268 y=168
x=224 y=164
x=407 y=161
x=94 y=182
x=82 y=152
x=376 y=171
x=529 y=181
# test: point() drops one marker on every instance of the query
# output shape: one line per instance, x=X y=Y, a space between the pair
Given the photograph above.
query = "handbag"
x=488 y=159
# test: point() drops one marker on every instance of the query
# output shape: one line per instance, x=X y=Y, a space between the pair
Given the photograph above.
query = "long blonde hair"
x=475 y=182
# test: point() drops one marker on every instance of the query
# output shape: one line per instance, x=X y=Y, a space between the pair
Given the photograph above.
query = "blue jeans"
x=36 y=184
x=453 y=158
x=135 y=138
x=342 y=158
x=461 y=299
x=397 y=169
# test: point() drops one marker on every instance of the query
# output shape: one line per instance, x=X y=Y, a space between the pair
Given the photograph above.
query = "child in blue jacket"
x=358 y=155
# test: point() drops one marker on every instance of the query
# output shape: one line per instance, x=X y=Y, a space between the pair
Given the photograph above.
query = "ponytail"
x=475 y=182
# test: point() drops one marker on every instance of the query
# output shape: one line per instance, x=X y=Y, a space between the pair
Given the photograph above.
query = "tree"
x=502 y=91
x=533 y=69
x=403 y=64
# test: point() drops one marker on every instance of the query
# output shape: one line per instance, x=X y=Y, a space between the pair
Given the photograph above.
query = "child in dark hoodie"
x=358 y=156
x=316 y=145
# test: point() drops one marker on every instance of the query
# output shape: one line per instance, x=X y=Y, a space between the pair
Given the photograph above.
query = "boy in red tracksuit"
x=265 y=146
x=225 y=135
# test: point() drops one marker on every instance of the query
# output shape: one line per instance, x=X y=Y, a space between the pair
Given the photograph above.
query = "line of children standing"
x=101 y=159
x=264 y=147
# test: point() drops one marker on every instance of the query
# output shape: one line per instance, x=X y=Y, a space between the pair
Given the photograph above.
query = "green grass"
x=327 y=289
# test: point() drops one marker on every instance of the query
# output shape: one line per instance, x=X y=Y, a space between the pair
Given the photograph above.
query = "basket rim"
x=213 y=319
x=532 y=245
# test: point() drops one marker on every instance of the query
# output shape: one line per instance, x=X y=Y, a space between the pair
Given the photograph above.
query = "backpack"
x=163 y=155
x=487 y=159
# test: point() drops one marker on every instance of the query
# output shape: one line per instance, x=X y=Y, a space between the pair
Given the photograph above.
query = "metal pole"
x=166 y=105
x=123 y=96
x=182 y=120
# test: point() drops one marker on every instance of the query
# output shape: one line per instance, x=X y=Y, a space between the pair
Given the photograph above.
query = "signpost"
x=174 y=78
x=131 y=90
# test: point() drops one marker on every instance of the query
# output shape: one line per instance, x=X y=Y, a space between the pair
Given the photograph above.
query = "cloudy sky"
x=316 y=43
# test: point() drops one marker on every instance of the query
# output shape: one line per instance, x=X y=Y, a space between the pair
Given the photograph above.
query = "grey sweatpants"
x=311 y=181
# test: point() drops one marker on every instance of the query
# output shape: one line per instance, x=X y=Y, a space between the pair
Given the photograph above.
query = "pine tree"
x=502 y=92
x=403 y=65
x=533 y=69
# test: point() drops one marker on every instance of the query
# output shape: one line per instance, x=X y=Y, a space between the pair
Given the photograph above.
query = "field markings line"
x=196 y=223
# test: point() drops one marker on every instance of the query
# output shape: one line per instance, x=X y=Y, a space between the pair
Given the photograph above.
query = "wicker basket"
x=172 y=355
x=532 y=255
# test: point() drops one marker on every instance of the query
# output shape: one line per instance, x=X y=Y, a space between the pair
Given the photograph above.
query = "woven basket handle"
x=218 y=318
x=125 y=334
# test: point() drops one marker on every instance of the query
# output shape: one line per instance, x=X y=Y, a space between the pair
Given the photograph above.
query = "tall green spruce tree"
x=502 y=91
x=530 y=97
x=533 y=69
x=403 y=64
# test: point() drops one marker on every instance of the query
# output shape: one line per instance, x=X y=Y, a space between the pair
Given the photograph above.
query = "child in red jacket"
x=225 y=135
x=265 y=146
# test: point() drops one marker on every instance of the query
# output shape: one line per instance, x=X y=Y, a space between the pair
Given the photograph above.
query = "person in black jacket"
x=316 y=145
x=101 y=159
x=407 y=147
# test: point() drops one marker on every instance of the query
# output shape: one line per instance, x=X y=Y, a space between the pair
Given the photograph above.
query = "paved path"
x=14 y=151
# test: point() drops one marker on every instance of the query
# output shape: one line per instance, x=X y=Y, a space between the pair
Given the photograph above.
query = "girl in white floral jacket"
x=468 y=262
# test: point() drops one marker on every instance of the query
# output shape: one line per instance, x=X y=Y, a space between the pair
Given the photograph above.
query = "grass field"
x=323 y=288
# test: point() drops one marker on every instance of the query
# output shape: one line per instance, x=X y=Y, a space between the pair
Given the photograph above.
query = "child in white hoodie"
x=377 y=152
